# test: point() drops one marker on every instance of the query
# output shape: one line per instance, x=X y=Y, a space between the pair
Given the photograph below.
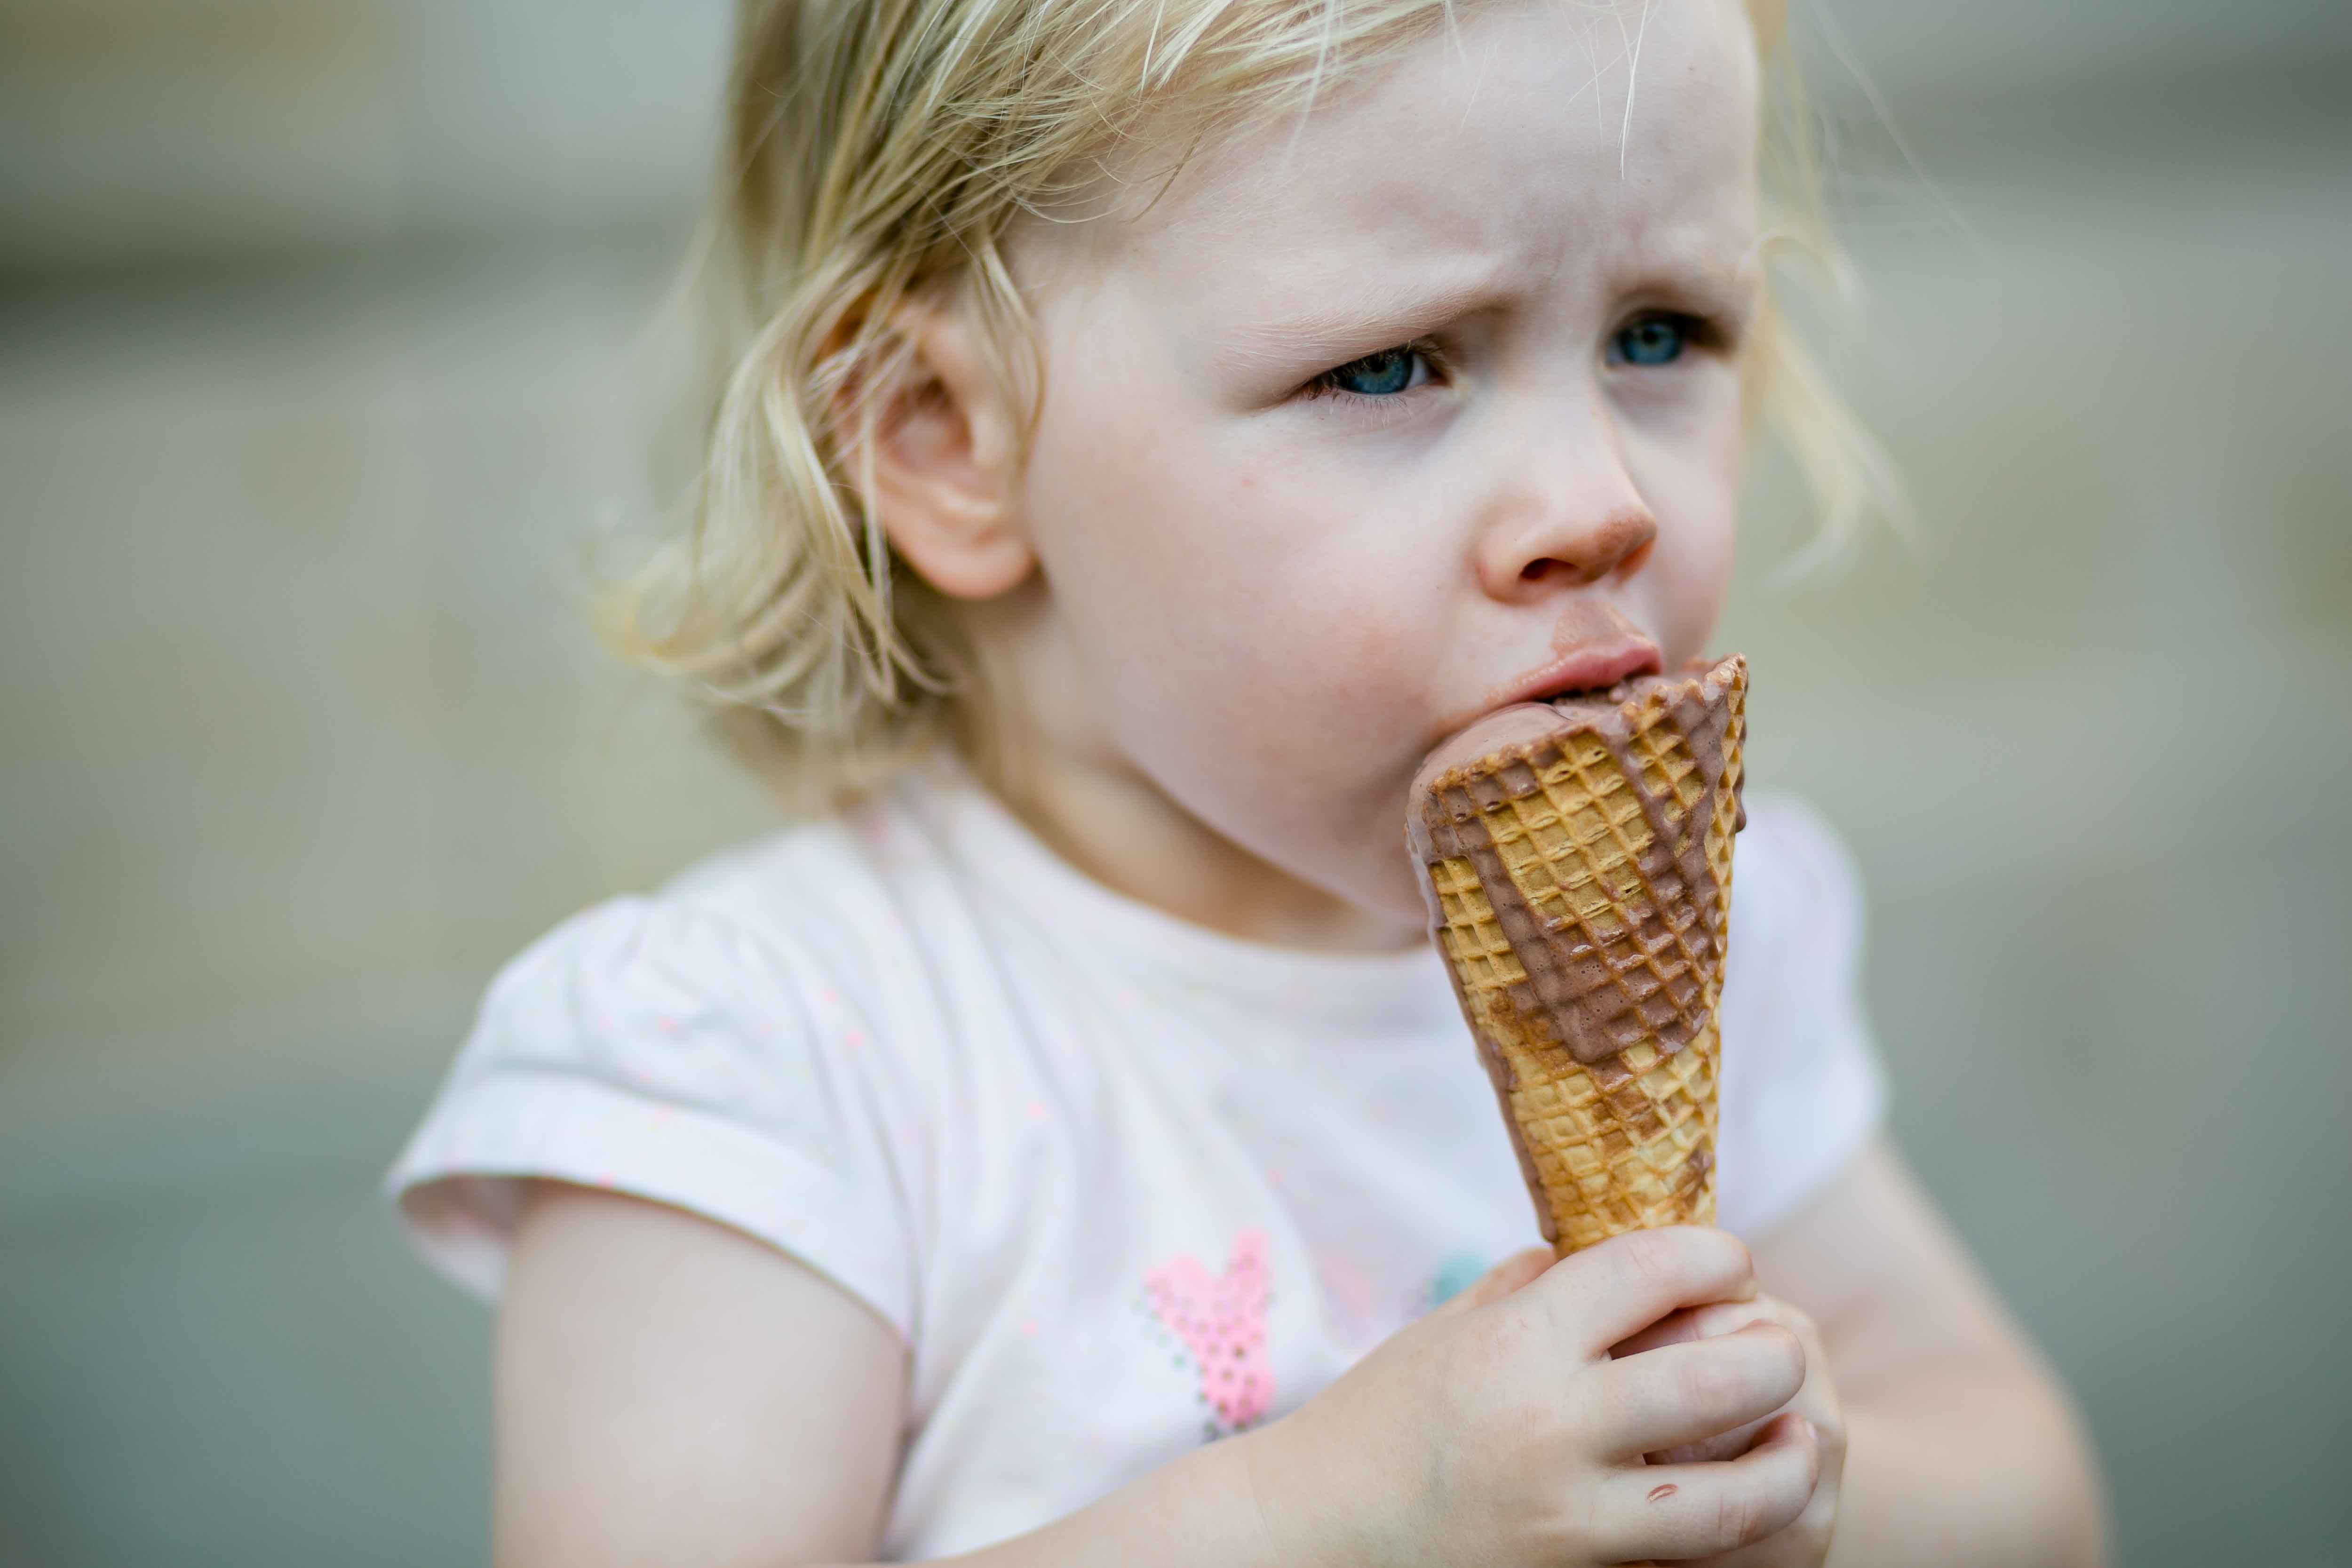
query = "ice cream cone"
x=1578 y=868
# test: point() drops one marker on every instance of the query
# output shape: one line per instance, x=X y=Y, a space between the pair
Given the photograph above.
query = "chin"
x=1395 y=895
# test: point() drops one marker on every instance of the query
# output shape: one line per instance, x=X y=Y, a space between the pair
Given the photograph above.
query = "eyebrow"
x=1373 y=316
x=1712 y=278
x=1370 y=317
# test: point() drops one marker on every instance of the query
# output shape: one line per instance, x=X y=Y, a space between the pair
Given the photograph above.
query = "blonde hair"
x=878 y=152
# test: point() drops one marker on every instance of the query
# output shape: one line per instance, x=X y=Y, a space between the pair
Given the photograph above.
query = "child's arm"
x=1961 y=1450
x=671 y=1391
x=656 y=1375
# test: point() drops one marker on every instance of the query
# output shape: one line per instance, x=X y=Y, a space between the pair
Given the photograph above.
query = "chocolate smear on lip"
x=1595 y=1005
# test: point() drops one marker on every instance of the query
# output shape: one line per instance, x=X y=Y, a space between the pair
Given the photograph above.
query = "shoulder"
x=742 y=1043
x=725 y=931
x=1796 y=897
x=1790 y=862
x=1795 y=954
x=815 y=908
x=1803 y=1092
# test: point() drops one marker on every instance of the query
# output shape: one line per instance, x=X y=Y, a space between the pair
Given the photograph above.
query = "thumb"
x=1519 y=1269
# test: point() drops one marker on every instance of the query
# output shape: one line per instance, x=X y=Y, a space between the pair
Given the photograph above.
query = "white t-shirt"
x=1124 y=1185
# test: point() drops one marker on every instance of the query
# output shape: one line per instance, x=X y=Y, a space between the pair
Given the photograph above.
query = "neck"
x=1104 y=816
x=1121 y=830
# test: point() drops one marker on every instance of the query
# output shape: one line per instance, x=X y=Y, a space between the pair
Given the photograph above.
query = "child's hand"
x=1806 y=1542
x=1498 y=1430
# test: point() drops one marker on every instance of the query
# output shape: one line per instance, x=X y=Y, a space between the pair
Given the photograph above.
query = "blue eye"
x=1384 y=374
x=1652 y=340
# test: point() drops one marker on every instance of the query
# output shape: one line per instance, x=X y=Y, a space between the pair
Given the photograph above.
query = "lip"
x=1596 y=667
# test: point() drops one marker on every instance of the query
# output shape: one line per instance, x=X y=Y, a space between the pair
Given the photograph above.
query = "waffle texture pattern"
x=1626 y=1141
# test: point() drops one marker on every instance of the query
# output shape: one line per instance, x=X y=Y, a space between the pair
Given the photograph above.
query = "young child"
x=1160 y=423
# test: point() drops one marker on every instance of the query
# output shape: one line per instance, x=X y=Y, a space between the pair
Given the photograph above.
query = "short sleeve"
x=655 y=1048
x=1803 y=1093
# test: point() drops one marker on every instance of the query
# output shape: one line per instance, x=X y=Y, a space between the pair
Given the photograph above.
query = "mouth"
x=1596 y=667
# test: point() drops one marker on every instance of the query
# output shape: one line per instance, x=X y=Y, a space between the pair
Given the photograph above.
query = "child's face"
x=1275 y=595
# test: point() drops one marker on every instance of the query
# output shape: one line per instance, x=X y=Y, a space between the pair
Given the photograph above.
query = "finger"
x=1807 y=1540
x=1674 y=1328
x=1816 y=1402
x=1708 y=1322
x=1722 y=1445
x=1607 y=1291
x=1669 y=1512
x=1519 y=1269
x=1702 y=1324
x=1689 y=1393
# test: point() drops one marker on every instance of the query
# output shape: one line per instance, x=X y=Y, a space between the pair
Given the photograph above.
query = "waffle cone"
x=1578 y=871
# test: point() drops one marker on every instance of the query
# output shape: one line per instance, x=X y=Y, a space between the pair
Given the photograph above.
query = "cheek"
x=1694 y=577
x=1331 y=610
x=1693 y=488
x=1289 y=653
x=1207 y=591
x=1258 y=640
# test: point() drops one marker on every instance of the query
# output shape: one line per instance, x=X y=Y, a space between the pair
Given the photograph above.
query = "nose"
x=1577 y=522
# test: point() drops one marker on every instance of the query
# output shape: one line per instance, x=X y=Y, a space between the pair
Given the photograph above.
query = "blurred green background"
x=327 y=332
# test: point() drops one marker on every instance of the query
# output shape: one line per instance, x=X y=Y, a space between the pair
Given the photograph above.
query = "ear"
x=943 y=459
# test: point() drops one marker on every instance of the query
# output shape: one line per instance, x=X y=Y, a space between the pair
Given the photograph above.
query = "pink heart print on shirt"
x=1221 y=1319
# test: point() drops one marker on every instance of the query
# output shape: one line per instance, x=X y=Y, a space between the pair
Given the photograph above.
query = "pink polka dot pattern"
x=1222 y=1321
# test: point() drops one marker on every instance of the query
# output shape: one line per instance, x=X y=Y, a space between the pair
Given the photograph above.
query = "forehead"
x=1533 y=137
